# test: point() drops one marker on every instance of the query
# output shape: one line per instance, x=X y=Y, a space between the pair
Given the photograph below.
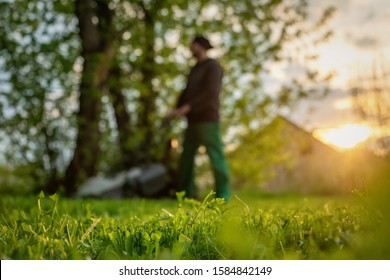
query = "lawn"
x=252 y=226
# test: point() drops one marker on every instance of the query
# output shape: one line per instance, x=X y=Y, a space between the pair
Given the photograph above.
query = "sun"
x=346 y=136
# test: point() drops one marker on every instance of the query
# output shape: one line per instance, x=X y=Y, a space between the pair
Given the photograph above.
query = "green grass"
x=251 y=226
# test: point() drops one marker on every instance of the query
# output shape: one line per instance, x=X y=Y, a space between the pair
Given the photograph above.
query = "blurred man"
x=199 y=103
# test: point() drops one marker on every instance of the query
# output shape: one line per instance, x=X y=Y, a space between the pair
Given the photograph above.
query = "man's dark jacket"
x=202 y=92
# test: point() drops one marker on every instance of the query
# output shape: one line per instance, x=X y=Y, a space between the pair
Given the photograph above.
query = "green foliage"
x=38 y=51
x=251 y=227
x=255 y=153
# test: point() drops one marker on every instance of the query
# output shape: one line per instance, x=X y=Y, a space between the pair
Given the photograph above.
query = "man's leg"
x=211 y=138
x=187 y=164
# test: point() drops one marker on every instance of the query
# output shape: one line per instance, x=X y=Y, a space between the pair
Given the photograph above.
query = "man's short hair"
x=201 y=40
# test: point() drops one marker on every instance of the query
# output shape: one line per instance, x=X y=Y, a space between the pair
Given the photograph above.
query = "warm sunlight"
x=345 y=136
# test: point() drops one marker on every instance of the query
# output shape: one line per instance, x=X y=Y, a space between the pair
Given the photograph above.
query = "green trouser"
x=208 y=135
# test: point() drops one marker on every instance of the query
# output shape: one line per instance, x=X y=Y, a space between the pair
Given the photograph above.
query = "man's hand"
x=183 y=110
x=179 y=112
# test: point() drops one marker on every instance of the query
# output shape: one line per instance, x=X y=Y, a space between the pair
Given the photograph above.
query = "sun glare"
x=345 y=136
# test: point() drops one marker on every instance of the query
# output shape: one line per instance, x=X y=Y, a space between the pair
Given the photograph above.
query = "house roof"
x=303 y=131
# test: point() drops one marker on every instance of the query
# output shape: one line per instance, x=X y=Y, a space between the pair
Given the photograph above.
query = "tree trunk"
x=98 y=49
x=129 y=150
x=148 y=97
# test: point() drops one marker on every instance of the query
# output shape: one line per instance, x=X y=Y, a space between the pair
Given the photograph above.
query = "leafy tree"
x=38 y=50
x=99 y=46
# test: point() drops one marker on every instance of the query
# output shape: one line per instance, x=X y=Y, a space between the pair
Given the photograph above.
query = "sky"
x=361 y=34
